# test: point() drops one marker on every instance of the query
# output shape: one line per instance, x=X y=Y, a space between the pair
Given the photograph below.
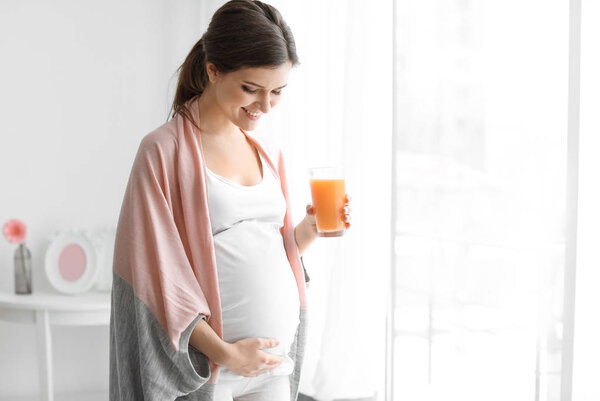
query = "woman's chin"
x=248 y=125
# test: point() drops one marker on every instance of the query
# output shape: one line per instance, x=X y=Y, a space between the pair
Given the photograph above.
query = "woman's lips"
x=252 y=116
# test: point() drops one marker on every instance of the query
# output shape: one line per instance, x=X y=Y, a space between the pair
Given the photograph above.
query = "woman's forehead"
x=264 y=76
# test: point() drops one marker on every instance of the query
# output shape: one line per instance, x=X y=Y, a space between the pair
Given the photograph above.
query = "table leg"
x=44 y=347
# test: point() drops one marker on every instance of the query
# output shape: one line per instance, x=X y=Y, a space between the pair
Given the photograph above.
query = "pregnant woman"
x=208 y=298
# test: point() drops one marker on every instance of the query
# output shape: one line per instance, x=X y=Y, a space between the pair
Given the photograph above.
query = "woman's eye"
x=246 y=89
x=277 y=92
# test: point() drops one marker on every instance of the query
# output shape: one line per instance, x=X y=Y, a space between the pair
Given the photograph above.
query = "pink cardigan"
x=164 y=245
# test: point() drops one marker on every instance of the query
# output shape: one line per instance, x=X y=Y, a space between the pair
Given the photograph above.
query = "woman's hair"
x=242 y=33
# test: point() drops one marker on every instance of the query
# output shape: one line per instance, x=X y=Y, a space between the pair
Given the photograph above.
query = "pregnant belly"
x=259 y=296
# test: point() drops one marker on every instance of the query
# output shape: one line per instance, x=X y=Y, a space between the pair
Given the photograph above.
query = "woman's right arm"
x=205 y=340
x=243 y=357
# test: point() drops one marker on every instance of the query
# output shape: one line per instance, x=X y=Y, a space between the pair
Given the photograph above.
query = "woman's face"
x=248 y=93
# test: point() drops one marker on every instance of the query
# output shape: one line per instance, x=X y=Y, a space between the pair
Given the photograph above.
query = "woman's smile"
x=253 y=116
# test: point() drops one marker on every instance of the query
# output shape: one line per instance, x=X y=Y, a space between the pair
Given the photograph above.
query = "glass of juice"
x=328 y=191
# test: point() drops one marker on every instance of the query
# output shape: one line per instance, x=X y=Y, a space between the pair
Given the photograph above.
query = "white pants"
x=262 y=388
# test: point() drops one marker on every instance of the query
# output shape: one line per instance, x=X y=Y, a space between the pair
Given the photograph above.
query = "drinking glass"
x=328 y=190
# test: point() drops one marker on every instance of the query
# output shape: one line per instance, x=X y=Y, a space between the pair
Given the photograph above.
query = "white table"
x=44 y=310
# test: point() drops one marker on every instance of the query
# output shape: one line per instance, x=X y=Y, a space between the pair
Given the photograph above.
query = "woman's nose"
x=265 y=104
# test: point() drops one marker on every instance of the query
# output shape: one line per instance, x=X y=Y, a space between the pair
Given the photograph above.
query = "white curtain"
x=337 y=109
x=587 y=324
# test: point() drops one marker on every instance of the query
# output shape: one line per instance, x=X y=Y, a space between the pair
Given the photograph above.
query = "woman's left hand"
x=306 y=232
x=346 y=210
x=345 y=214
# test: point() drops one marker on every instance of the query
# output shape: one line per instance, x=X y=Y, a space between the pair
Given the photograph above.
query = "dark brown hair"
x=242 y=33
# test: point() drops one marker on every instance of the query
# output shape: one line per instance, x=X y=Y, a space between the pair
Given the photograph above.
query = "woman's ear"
x=212 y=72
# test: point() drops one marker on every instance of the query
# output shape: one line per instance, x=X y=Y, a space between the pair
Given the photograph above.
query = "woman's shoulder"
x=163 y=138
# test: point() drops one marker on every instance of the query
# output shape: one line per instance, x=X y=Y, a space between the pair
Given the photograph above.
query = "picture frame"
x=71 y=263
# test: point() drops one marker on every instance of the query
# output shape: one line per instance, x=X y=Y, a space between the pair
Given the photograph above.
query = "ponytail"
x=192 y=81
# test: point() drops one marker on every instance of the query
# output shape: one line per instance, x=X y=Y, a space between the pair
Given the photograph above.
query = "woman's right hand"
x=246 y=358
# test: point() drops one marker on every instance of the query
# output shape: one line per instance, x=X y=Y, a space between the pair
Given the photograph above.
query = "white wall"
x=81 y=83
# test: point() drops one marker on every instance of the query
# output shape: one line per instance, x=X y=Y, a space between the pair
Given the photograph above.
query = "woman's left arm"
x=306 y=231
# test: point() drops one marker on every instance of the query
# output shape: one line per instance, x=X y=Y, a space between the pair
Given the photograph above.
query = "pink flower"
x=15 y=231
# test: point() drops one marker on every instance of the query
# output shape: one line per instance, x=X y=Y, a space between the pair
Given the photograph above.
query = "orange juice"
x=328 y=201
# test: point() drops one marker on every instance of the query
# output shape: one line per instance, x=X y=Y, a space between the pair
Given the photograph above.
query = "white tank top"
x=259 y=295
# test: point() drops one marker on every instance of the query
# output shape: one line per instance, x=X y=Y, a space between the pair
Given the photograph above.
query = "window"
x=480 y=180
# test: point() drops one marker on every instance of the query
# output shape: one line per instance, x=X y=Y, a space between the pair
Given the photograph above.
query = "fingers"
x=261 y=371
x=274 y=361
x=267 y=343
x=250 y=359
x=346 y=211
x=267 y=362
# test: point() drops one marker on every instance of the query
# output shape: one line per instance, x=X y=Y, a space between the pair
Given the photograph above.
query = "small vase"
x=22 y=270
